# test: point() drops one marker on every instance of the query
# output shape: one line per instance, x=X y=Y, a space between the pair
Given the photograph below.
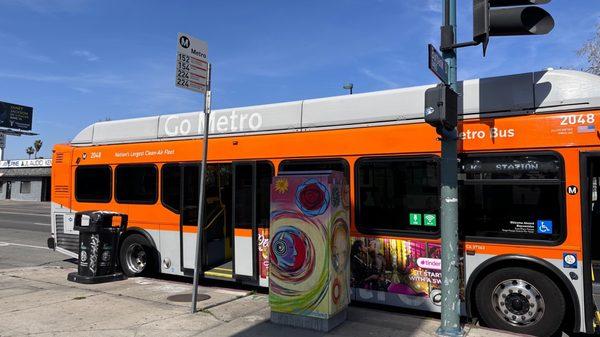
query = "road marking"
x=32 y=214
x=4 y=244
x=2 y=221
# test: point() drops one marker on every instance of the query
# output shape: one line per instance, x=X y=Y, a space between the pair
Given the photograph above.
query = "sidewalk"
x=41 y=301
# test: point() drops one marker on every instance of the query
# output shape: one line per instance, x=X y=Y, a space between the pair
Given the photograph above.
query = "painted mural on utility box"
x=309 y=244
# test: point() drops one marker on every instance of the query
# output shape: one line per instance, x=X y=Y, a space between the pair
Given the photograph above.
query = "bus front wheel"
x=136 y=256
x=520 y=300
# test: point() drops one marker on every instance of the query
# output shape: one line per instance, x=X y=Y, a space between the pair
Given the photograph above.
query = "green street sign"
x=414 y=219
x=430 y=220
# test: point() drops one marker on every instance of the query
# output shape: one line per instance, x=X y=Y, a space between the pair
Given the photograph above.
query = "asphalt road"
x=24 y=229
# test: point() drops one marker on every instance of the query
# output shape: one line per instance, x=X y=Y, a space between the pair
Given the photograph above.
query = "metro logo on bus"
x=233 y=121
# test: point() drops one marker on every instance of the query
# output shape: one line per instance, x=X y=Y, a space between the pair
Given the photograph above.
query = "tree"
x=591 y=51
x=37 y=145
x=30 y=151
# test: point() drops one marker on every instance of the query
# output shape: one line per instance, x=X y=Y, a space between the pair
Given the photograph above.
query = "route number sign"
x=192 y=63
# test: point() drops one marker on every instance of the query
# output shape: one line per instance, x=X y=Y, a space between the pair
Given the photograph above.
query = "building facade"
x=26 y=180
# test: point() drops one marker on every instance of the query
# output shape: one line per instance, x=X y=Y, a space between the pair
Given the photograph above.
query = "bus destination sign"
x=192 y=63
x=15 y=116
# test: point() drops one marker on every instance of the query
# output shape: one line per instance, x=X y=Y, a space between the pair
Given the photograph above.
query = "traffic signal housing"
x=441 y=107
x=508 y=18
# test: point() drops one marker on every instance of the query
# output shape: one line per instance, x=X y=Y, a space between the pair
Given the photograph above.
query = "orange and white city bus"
x=529 y=175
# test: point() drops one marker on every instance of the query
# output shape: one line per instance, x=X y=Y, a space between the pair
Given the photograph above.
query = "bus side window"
x=171 y=187
x=398 y=195
x=244 y=179
x=512 y=196
x=93 y=183
x=264 y=175
x=136 y=184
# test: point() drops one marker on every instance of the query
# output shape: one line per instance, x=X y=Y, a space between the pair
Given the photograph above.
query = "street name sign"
x=192 y=63
x=14 y=116
x=438 y=65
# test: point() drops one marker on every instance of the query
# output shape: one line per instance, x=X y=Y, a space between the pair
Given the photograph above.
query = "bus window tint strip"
x=398 y=196
x=512 y=197
x=136 y=184
x=511 y=167
x=325 y=164
x=93 y=183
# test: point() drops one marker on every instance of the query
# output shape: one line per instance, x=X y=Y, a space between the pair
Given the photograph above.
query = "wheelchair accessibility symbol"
x=544 y=226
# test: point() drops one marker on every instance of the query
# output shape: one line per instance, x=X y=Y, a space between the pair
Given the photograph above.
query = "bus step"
x=220 y=273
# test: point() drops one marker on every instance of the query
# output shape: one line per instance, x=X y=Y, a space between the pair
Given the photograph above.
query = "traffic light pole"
x=450 y=324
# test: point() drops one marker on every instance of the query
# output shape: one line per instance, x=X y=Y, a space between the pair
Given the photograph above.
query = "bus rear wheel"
x=520 y=300
x=137 y=256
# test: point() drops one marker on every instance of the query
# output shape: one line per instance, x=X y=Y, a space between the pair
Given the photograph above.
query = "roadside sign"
x=414 y=219
x=15 y=116
x=438 y=65
x=430 y=220
x=192 y=63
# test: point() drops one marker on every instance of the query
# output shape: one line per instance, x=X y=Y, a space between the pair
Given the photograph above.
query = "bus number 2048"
x=577 y=119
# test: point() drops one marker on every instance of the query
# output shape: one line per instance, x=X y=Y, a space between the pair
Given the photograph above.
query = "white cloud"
x=86 y=54
x=17 y=46
x=79 y=81
x=434 y=6
x=380 y=78
x=82 y=90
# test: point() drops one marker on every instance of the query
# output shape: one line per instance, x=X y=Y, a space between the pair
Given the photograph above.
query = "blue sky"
x=80 y=61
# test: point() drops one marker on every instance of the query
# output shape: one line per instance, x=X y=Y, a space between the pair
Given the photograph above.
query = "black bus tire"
x=137 y=257
x=520 y=300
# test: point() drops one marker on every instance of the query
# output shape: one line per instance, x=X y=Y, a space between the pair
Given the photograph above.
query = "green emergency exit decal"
x=414 y=219
x=430 y=220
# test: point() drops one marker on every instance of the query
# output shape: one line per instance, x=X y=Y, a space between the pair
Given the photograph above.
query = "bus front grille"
x=69 y=242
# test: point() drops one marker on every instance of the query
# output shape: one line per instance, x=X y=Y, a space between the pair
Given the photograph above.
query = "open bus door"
x=590 y=207
x=215 y=244
x=251 y=208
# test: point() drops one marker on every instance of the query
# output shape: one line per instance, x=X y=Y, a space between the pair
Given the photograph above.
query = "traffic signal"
x=509 y=17
x=441 y=107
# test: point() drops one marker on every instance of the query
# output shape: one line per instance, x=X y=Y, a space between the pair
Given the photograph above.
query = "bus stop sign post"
x=193 y=73
x=200 y=228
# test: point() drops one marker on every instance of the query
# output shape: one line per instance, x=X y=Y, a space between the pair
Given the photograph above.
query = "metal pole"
x=2 y=145
x=200 y=229
x=450 y=325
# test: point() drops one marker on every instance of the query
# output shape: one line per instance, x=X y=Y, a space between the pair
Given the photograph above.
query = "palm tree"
x=30 y=151
x=37 y=146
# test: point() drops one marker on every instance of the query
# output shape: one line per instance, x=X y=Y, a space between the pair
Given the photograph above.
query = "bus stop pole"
x=200 y=223
x=450 y=323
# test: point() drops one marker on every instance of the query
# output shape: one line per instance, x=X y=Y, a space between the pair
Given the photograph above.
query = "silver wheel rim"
x=135 y=257
x=518 y=302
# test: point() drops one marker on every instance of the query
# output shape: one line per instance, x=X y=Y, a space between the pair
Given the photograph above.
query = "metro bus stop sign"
x=192 y=63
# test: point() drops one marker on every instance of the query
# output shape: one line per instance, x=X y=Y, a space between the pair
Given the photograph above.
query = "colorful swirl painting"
x=309 y=245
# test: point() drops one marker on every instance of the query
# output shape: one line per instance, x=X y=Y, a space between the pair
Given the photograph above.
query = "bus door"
x=590 y=185
x=215 y=245
x=251 y=209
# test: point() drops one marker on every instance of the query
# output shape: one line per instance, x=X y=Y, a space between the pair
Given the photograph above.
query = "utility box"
x=309 y=269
